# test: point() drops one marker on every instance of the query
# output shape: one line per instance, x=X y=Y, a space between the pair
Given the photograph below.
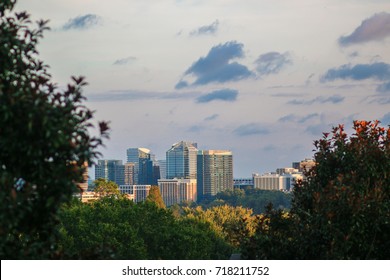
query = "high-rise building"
x=129 y=173
x=273 y=182
x=111 y=170
x=143 y=166
x=181 y=161
x=176 y=191
x=163 y=168
x=214 y=172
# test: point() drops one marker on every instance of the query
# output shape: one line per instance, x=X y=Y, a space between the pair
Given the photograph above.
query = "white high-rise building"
x=176 y=191
x=273 y=181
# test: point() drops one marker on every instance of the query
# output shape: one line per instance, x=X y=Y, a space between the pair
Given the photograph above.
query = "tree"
x=342 y=209
x=155 y=197
x=234 y=224
x=345 y=202
x=106 y=188
x=44 y=140
x=117 y=228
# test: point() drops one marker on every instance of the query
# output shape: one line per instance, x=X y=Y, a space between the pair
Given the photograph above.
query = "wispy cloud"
x=136 y=95
x=318 y=129
x=124 y=61
x=320 y=99
x=206 y=29
x=385 y=119
x=212 y=117
x=217 y=66
x=378 y=71
x=298 y=119
x=223 y=94
x=375 y=28
x=272 y=63
x=251 y=129
x=83 y=22
x=384 y=87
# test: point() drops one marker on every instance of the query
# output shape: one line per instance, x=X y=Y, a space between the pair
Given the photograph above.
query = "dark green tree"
x=342 y=209
x=344 y=204
x=117 y=228
x=106 y=188
x=44 y=140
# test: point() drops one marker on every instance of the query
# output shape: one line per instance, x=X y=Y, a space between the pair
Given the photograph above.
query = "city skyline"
x=262 y=79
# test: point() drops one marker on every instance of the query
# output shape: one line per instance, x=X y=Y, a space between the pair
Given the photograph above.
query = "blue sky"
x=261 y=78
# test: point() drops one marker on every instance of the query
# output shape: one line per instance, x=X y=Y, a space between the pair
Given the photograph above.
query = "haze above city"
x=261 y=78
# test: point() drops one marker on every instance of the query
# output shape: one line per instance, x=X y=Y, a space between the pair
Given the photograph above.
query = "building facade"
x=137 y=193
x=144 y=168
x=273 y=182
x=181 y=161
x=129 y=173
x=111 y=170
x=176 y=191
x=214 y=172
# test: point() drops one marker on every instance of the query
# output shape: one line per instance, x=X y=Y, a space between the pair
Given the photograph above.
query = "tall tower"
x=142 y=163
x=181 y=161
x=215 y=172
x=111 y=170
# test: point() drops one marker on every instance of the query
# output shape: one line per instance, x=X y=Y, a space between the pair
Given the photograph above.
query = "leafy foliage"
x=342 y=209
x=254 y=199
x=112 y=228
x=106 y=188
x=155 y=197
x=44 y=140
x=234 y=224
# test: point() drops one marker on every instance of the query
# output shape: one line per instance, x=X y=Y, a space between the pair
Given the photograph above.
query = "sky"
x=261 y=78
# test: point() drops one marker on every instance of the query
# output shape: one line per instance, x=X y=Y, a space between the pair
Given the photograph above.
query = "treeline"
x=116 y=228
x=254 y=199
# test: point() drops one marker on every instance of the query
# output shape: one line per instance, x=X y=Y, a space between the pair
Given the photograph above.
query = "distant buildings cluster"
x=189 y=174
x=283 y=179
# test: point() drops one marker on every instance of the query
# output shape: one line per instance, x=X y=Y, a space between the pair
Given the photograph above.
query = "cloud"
x=375 y=28
x=206 y=29
x=195 y=128
x=223 y=94
x=383 y=87
x=379 y=71
x=272 y=63
x=385 y=120
x=217 y=66
x=112 y=96
x=251 y=129
x=212 y=117
x=320 y=99
x=124 y=61
x=298 y=119
x=83 y=22
x=181 y=84
x=318 y=129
